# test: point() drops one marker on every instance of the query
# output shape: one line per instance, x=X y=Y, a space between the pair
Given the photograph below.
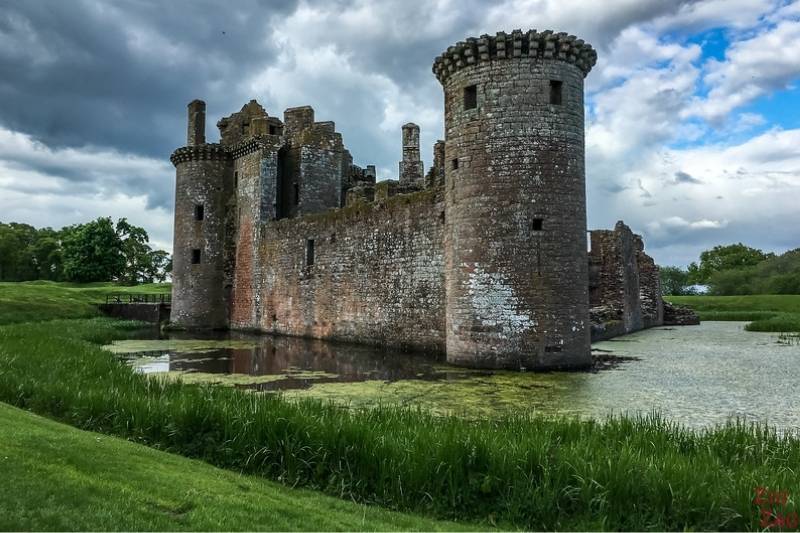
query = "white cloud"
x=751 y=68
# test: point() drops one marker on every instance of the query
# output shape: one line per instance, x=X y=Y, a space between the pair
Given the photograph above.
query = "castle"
x=483 y=258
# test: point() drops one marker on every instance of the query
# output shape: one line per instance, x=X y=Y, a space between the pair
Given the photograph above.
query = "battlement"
x=199 y=152
x=545 y=45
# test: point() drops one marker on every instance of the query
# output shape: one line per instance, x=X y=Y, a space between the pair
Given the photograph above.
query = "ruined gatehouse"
x=484 y=257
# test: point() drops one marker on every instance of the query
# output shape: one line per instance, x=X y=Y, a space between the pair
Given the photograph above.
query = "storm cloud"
x=93 y=99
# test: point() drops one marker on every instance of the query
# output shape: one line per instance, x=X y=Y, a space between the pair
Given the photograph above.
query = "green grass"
x=765 y=312
x=59 y=478
x=533 y=473
x=45 y=300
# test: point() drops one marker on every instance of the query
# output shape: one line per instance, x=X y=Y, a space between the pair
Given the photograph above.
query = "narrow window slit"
x=555 y=92
x=309 y=252
x=471 y=97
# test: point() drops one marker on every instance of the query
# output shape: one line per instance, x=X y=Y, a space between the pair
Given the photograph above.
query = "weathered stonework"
x=624 y=285
x=483 y=258
x=411 y=167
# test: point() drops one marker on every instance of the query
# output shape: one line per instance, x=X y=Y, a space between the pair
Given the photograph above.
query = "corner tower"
x=202 y=188
x=516 y=270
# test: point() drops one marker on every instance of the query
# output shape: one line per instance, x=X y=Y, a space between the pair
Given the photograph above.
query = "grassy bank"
x=765 y=312
x=529 y=472
x=45 y=300
x=58 y=478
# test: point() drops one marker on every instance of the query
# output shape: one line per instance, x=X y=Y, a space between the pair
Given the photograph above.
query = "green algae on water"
x=175 y=345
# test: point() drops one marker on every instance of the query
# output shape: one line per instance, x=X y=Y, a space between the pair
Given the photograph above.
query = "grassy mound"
x=528 y=472
x=57 y=478
x=765 y=312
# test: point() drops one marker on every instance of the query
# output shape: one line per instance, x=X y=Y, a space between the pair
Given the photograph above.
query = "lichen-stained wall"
x=377 y=275
x=320 y=176
x=516 y=264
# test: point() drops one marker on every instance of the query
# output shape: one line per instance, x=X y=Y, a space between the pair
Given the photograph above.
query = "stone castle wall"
x=377 y=275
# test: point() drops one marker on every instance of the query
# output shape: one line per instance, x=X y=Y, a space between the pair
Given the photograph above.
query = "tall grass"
x=534 y=473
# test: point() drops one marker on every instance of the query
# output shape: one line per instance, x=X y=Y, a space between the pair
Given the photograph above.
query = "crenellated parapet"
x=545 y=45
x=199 y=152
x=254 y=144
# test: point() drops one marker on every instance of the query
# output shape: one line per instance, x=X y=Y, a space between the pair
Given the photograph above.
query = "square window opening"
x=196 y=256
x=454 y=163
x=538 y=224
x=199 y=212
x=555 y=92
x=471 y=97
x=309 y=252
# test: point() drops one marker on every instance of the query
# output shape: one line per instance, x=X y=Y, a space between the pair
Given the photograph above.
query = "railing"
x=133 y=298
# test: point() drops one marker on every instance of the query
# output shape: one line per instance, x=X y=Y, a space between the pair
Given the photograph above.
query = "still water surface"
x=697 y=375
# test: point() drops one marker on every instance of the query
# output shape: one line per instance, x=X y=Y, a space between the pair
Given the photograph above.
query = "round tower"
x=516 y=269
x=198 y=260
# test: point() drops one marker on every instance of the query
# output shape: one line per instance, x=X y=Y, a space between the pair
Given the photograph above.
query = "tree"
x=674 y=281
x=721 y=258
x=136 y=251
x=160 y=266
x=92 y=252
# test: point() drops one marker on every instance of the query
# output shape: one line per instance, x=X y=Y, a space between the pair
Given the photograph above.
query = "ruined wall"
x=649 y=288
x=624 y=284
x=377 y=275
x=616 y=279
x=516 y=264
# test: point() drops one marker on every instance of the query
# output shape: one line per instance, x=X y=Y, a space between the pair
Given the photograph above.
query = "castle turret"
x=515 y=200
x=202 y=187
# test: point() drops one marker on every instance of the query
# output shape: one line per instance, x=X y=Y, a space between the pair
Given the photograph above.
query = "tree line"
x=736 y=269
x=95 y=251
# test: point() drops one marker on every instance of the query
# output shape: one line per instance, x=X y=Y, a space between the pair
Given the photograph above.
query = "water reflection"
x=298 y=362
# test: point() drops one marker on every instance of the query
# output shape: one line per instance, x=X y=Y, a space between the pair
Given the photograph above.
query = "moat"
x=695 y=375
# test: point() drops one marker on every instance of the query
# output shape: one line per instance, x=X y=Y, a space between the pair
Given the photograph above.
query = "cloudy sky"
x=692 y=118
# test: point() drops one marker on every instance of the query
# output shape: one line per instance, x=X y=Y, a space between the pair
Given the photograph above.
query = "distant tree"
x=27 y=253
x=46 y=255
x=674 y=281
x=160 y=266
x=136 y=251
x=721 y=258
x=96 y=251
x=92 y=252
